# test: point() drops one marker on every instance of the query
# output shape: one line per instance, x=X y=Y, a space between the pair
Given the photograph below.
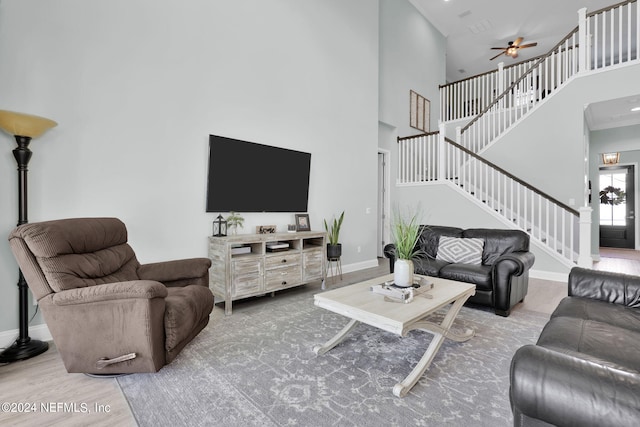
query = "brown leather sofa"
x=107 y=313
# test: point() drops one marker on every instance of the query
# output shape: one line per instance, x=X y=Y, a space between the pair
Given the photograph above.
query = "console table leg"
x=340 y=336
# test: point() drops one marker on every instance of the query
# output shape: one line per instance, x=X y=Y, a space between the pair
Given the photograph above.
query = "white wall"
x=137 y=87
x=412 y=55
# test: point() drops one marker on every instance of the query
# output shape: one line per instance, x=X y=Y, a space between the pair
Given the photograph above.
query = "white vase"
x=403 y=272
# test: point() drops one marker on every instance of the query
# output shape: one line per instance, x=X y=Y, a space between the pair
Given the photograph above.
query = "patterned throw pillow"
x=460 y=250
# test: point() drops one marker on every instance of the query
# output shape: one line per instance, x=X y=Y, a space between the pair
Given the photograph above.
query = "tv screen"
x=249 y=177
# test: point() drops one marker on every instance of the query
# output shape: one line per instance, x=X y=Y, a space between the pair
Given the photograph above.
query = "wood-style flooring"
x=44 y=380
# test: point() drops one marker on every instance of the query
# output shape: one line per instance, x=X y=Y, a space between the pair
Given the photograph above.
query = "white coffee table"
x=359 y=304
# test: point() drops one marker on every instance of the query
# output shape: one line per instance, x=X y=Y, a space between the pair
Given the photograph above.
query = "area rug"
x=257 y=368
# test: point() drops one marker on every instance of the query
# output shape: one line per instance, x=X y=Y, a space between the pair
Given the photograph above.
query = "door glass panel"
x=613 y=200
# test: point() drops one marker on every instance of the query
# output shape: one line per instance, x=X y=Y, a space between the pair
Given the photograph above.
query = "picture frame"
x=419 y=111
x=302 y=222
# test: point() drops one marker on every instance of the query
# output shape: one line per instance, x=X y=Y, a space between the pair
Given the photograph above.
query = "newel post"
x=441 y=148
x=584 y=255
x=583 y=43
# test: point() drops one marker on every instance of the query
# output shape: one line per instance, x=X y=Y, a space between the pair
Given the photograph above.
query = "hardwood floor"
x=44 y=381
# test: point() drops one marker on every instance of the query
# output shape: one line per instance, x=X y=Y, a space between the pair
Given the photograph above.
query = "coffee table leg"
x=440 y=332
x=340 y=336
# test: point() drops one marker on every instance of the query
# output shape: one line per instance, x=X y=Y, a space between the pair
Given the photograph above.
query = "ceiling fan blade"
x=501 y=53
x=528 y=45
x=501 y=48
x=518 y=41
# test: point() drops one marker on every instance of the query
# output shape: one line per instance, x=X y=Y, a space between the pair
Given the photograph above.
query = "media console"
x=246 y=265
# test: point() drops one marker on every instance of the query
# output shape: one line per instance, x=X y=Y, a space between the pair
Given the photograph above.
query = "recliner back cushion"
x=81 y=252
x=498 y=242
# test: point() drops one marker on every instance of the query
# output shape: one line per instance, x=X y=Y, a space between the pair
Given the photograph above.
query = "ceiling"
x=473 y=27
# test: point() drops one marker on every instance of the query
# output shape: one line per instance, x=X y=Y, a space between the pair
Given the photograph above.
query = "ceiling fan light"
x=634 y=109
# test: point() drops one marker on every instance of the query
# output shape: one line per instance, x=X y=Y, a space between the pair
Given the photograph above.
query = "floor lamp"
x=23 y=127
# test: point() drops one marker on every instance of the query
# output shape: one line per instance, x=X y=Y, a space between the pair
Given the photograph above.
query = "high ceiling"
x=473 y=27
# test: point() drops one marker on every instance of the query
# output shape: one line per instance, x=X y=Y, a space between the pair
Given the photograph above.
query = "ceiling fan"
x=512 y=49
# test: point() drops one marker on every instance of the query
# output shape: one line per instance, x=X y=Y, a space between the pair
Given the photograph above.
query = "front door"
x=617 y=215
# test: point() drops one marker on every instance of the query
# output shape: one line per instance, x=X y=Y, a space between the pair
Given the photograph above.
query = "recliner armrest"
x=606 y=286
x=558 y=388
x=176 y=271
x=142 y=289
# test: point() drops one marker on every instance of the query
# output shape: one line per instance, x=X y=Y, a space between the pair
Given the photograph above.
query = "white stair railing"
x=545 y=76
x=464 y=99
x=604 y=38
x=613 y=34
x=429 y=158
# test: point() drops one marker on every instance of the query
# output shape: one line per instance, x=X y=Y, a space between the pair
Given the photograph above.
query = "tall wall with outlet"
x=137 y=87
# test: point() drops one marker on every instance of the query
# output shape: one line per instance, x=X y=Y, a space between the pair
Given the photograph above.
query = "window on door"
x=613 y=198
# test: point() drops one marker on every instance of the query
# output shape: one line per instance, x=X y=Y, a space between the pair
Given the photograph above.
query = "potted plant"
x=235 y=220
x=334 y=249
x=406 y=233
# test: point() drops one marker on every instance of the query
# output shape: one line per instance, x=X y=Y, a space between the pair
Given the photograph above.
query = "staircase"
x=603 y=39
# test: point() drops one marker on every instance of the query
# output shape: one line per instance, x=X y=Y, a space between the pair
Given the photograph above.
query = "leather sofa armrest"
x=177 y=272
x=606 y=286
x=390 y=252
x=516 y=262
x=141 y=289
x=558 y=388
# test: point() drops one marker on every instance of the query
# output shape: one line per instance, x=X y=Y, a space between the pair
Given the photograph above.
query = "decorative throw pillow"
x=460 y=250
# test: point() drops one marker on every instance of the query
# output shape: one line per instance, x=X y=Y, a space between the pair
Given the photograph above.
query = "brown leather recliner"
x=107 y=313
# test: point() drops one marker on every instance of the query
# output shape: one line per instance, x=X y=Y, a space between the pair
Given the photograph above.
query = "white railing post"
x=502 y=83
x=584 y=255
x=441 y=148
x=583 y=45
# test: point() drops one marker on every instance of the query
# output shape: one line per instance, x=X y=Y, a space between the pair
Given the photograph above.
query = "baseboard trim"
x=549 y=275
x=350 y=268
x=37 y=332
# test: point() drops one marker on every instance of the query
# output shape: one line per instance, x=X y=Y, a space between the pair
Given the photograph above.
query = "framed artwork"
x=302 y=222
x=419 y=111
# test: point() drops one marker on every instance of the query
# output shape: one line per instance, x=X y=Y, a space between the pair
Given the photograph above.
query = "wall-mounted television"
x=248 y=177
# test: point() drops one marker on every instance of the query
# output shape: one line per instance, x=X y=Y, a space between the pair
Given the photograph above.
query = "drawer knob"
x=284 y=260
x=284 y=282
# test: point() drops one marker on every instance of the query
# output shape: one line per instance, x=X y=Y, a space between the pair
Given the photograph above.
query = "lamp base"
x=23 y=350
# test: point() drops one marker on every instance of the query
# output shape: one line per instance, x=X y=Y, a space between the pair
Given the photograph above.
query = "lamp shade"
x=24 y=124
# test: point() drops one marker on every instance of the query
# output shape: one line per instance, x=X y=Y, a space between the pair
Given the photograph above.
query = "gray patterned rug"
x=257 y=368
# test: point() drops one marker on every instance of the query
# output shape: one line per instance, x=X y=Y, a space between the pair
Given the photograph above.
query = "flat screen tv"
x=248 y=177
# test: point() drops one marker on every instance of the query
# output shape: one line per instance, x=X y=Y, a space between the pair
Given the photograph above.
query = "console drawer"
x=282 y=260
x=283 y=277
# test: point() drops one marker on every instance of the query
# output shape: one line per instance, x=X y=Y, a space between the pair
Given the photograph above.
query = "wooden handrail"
x=509 y=175
x=402 y=138
x=489 y=72
x=518 y=80
x=469 y=78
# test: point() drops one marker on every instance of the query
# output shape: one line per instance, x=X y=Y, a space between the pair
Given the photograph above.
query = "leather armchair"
x=107 y=313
